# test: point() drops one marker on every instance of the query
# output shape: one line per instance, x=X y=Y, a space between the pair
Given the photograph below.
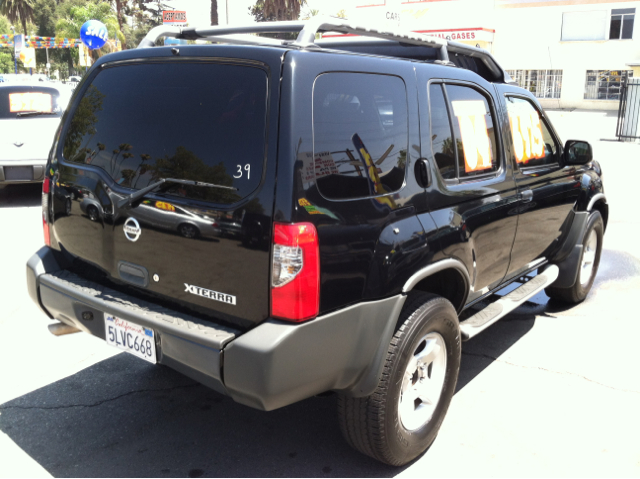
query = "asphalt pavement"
x=547 y=391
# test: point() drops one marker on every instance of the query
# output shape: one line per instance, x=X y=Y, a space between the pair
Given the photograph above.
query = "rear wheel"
x=400 y=420
x=187 y=230
x=587 y=266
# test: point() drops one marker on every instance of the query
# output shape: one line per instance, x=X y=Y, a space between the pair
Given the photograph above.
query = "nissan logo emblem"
x=132 y=229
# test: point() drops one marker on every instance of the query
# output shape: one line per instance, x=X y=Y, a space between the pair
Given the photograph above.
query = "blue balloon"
x=94 y=34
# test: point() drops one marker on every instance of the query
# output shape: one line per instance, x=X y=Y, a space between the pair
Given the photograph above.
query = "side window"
x=360 y=135
x=533 y=144
x=441 y=134
x=474 y=132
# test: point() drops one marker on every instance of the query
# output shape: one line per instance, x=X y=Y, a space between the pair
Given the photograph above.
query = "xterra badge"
x=207 y=293
x=132 y=229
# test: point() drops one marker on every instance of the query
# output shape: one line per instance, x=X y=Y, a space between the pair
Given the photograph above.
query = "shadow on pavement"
x=19 y=196
x=123 y=417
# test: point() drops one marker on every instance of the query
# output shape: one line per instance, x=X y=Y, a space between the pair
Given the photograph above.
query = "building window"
x=542 y=83
x=605 y=84
x=584 y=26
x=621 y=27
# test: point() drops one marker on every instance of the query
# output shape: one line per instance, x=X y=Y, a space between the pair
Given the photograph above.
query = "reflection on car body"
x=164 y=215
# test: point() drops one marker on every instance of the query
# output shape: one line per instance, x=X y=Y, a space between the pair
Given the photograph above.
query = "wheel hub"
x=588 y=258
x=423 y=381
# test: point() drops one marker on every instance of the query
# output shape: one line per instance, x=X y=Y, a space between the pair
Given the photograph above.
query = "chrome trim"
x=435 y=268
x=595 y=199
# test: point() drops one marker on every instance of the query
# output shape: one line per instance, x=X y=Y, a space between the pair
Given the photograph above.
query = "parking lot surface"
x=547 y=391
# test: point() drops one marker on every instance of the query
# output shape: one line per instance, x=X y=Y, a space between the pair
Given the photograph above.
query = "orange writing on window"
x=526 y=131
x=165 y=206
x=475 y=136
x=31 y=101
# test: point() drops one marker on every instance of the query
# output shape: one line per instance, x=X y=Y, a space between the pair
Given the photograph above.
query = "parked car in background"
x=29 y=116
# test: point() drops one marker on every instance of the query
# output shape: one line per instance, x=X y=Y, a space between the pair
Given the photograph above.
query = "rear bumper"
x=22 y=171
x=271 y=366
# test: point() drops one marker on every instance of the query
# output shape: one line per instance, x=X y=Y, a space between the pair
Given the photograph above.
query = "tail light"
x=295 y=277
x=46 y=187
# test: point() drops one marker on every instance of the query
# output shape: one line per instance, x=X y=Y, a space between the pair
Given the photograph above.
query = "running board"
x=495 y=311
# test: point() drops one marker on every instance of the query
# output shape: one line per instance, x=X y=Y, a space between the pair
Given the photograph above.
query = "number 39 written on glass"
x=247 y=168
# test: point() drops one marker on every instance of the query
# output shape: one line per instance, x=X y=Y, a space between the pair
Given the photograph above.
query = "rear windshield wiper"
x=133 y=197
x=35 y=113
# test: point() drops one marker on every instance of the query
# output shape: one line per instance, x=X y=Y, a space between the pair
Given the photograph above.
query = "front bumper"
x=273 y=365
x=22 y=171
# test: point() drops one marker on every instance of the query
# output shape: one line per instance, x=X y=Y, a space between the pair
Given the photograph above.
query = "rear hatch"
x=201 y=119
x=29 y=116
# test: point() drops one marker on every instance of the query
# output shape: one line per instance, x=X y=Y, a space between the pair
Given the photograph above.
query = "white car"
x=29 y=116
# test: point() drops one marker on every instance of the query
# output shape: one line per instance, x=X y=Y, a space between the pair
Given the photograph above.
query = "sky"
x=198 y=11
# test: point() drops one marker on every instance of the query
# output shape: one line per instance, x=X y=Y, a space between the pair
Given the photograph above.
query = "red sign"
x=174 y=17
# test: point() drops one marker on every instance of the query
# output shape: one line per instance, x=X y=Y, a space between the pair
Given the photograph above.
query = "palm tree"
x=18 y=11
x=283 y=9
x=270 y=10
x=214 y=12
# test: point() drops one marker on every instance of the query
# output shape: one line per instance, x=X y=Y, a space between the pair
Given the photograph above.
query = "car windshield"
x=18 y=101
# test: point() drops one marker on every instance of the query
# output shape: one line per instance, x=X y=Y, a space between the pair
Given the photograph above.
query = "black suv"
x=381 y=188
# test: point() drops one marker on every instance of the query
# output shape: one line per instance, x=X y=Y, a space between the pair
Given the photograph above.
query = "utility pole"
x=15 y=55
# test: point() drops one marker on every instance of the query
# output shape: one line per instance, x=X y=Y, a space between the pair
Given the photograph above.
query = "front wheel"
x=401 y=419
x=587 y=266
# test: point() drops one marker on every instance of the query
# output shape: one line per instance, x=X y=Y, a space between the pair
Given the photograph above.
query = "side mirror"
x=577 y=152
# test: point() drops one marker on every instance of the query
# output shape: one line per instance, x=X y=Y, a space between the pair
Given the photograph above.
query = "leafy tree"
x=45 y=17
x=6 y=62
x=18 y=11
x=83 y=123
x=69 y=25
x=312 y=12
x=185 y=164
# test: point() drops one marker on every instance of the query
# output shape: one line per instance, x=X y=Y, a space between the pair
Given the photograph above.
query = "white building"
x=570 y=53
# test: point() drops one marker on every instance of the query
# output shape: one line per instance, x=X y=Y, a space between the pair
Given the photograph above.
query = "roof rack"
x=307 y=31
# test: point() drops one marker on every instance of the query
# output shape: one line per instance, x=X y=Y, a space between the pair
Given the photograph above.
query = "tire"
x=384 y=425
x=187 y=230
x=587 y=266
x=93 y=213
x=67 y=207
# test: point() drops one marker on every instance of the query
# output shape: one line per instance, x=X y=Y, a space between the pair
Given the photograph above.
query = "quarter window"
x=441 y=134
x=360 y=135
x=605 y=84
x=533 y=144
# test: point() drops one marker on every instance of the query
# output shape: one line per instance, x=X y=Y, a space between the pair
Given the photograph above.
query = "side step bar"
x=492 y=313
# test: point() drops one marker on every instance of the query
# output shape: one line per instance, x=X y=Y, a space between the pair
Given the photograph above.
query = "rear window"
x=23 y=101
x=193 y=121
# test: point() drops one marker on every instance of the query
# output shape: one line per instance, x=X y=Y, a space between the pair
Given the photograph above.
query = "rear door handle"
x=526 y=196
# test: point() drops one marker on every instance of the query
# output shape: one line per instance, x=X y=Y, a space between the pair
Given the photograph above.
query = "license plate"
x=18 y=173
x=130 y=337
